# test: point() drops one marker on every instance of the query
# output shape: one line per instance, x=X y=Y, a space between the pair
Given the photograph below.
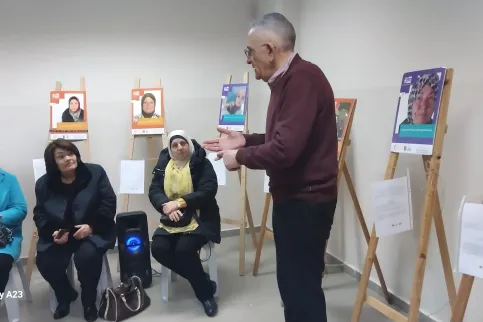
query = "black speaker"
x=133 y=246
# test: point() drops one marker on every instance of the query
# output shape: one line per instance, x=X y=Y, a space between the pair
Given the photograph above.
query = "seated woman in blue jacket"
x=13 y=210
x=74 y=215
x=183 y=190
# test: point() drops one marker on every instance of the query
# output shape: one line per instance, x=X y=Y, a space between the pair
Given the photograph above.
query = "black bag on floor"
x=124 y=301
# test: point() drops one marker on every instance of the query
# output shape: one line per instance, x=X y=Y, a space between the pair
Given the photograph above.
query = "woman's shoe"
x=63 y=309
x=90 y=313
x=211 y=308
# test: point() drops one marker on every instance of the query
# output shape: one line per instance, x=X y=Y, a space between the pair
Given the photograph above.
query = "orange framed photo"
x=344 y=113
x=68 y=115
x=147 y=116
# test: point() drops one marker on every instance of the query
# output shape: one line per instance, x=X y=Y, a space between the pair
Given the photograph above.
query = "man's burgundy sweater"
x=299 y=147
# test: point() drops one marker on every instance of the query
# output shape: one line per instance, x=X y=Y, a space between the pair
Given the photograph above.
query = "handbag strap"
x=123 y=298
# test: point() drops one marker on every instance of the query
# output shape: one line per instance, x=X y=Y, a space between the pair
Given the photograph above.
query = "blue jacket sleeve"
x=17 y=207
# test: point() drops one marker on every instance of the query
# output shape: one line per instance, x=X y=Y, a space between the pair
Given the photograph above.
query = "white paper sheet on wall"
x=470 y=259
x=39 y=168
x=266 y=180
x=219 y=167
x=132 y=177
x=392 y=206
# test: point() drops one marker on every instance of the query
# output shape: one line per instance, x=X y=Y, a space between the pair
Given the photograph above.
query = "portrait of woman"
x=74 y=113
x=422 y=100
x=148 y=108
x=183 y=190
x=13 y=210
x=234 y=102
x=74 y=214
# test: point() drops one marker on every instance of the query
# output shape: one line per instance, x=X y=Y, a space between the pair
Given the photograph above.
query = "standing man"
x=299 y=153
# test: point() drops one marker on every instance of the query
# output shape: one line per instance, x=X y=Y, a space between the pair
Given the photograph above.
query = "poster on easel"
x=417 y=111
x=233 y=107
x=147 y=111
x=344 y=107
x=68 y=115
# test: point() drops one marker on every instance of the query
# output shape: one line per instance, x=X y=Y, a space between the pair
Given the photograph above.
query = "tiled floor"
x=244 y=298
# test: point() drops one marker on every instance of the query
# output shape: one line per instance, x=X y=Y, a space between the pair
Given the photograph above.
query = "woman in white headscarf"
x=183 y=190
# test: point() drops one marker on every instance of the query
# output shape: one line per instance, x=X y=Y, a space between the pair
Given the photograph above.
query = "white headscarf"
x=185 y=136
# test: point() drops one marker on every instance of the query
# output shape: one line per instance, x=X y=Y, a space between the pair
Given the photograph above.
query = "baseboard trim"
x=334 y=265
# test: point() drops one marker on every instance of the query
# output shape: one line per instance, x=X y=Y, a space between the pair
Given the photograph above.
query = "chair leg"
x=165 y=283
x=11 y=300
x=25 y=282
x=212 y=265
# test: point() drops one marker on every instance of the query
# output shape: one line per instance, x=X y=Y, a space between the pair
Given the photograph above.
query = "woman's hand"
x=61 y=240
x=175 y=216
x=169 y=207
x=82 y=232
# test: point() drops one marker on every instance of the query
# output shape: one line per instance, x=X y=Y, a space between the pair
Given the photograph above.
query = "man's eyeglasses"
x=249 y=51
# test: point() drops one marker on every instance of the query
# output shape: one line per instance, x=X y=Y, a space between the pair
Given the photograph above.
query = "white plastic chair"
x=12 y=295
x=105 y=281
x=167 y=275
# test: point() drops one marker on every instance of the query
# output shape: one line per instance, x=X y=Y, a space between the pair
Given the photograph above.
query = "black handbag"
x=124 y=301
x=185 y=220
x=5 y=236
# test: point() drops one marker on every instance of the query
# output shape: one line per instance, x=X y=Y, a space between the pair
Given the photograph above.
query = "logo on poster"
x=407 y=80
x=55 y=95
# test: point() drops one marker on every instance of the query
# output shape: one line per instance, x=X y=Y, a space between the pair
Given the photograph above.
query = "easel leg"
x=366 y=273
x=249 y=216
x=443 y=244
x=261 y=237
x=365 y=230
x=31 y=255
x=461 y=302
x=427 y=220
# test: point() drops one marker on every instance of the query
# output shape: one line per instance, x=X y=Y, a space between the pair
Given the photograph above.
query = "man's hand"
x=61 y=240
x=229 y=159
x=229 y=140
x=83 y=231
x=170 y=207
x=175 y=216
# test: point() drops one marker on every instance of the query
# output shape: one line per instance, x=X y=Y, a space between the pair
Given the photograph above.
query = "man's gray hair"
x=278 y=24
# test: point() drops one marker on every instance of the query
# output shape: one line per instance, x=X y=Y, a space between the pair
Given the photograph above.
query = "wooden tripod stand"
x=246 y=212
x=432 y=210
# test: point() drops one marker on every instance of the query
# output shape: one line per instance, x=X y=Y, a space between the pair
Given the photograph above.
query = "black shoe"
x=211 y=308
x=213 y=283
x=63 y=309
x=90 y=313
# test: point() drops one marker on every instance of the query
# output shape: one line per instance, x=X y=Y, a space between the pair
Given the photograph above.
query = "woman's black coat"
x=94 y=204
x=205 y=186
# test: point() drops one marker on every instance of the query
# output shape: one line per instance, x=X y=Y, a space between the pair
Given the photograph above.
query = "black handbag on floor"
x=124 y=301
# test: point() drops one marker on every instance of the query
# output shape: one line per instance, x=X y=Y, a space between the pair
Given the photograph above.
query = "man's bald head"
x=274 y=27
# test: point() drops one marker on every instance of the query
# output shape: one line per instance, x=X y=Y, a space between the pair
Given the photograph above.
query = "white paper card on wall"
x=392 y=206
x=39 y=168
x=470 y=259
x=266 y=180
x=132 y=177
x=219 y=167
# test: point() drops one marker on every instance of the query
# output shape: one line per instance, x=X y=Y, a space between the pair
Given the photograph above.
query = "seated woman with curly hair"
x=74 y=215
x=183 y=190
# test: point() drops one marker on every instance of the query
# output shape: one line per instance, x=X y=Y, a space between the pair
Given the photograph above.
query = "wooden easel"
x=246 y=213
x=152 y=150
x=431 y=210
x=86 y=156
x=466 y=283
x=343 y=169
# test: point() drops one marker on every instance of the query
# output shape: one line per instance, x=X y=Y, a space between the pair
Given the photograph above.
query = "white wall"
x=364 y=48
x=187 y=44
